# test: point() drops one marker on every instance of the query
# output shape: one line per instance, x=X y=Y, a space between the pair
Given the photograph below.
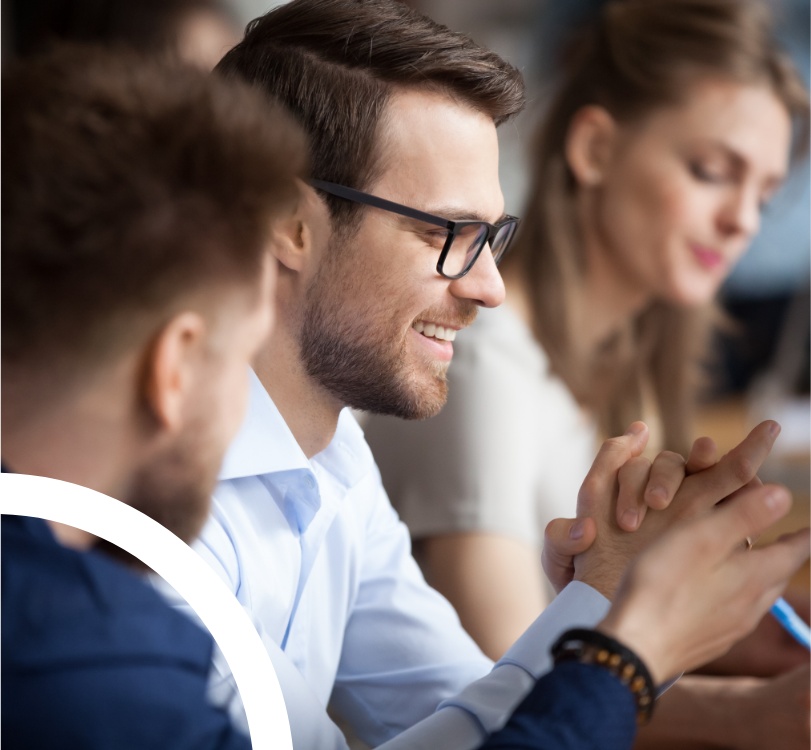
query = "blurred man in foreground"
x=139 y=201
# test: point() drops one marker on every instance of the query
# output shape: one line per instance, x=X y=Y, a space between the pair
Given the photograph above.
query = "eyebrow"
x=454 y=213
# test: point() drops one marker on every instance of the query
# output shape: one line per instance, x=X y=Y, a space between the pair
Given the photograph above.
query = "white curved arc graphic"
x=188 y=574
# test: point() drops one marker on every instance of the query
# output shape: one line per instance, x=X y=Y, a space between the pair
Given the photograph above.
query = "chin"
x=428 y=407
x=430 y=394
x=695 y=292
x=413 y=395
x=406 y=402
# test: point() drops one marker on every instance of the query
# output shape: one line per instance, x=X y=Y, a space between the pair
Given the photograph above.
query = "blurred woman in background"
x=669 y=133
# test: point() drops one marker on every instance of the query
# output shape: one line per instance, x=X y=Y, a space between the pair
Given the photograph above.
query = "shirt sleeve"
x=485 y=706
x=404 y=650
x=574 y=707
x=493 y=699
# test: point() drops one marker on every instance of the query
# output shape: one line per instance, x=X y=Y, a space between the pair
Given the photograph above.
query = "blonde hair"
x=641 y=55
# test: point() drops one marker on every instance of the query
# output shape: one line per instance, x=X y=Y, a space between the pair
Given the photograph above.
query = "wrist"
x=598 y=572
x=596 y=648
x=643 y=642
x=598 y=582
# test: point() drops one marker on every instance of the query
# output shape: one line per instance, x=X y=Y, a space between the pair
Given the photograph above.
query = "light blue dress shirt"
x=317 y=555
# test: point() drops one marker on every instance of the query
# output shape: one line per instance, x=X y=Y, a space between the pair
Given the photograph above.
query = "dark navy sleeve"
x=573 y=707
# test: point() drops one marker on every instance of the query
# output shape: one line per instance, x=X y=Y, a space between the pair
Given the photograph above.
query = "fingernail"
x=774 y=429
x=637 y=428
x=630 y=518
x=776 y=499
x=658 y=493
x=577 y=530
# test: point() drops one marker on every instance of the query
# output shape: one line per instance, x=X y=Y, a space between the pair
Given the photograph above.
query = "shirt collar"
x=348 y=457
x=265 y=444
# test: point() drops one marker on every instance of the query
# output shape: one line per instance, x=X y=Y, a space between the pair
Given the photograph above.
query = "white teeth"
x=432 y=330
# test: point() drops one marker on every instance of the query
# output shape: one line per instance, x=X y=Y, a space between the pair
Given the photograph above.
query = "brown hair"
x=128 y=183
x=642 y=54
x=335 y=63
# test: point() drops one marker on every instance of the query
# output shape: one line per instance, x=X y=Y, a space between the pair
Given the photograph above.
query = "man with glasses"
x=392 y=251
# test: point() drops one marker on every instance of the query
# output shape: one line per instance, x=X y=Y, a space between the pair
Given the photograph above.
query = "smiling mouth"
x=433 y=331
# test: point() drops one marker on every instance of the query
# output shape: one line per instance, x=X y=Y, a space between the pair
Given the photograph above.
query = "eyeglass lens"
x=468 y=241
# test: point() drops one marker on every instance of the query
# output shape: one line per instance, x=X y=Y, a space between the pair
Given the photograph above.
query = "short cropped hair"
x=335 y=64
x=126 y=184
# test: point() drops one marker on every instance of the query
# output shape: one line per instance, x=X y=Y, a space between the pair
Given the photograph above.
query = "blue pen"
x=792 y=622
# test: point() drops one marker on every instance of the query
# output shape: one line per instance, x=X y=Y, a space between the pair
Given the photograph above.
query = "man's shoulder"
x=130 y=703
x=63 y=606
x=93 y=657
x=126 y=703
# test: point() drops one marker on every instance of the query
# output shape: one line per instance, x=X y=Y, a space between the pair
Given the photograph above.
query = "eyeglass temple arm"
x=357 y=196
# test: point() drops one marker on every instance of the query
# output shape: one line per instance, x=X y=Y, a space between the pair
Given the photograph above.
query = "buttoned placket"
x=311 y=503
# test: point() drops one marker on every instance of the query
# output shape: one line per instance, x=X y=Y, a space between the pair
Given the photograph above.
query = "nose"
x=482 y=284
x=741 y=212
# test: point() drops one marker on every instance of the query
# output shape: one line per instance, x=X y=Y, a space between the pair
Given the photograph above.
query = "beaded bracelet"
x=594 y=647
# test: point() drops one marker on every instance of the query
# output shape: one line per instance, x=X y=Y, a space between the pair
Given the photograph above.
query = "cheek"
x=669 y=216
x=685 y=217
x=381 y=282
x=678 y=206
x=659 y=200
x=654 y=212
x=379 y=297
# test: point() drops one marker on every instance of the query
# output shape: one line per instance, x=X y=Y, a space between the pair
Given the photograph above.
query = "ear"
x=171 y=367
x=589 y=144
x=293 y=235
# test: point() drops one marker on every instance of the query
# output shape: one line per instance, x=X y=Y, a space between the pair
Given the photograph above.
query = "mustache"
x=461 y=316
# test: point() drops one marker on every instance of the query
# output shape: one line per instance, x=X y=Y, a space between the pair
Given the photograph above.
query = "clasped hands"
x=665 y=541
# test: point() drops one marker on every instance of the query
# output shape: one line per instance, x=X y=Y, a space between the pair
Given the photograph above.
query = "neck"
x=310 y=411
x=612 y=303
x=71 y=537
x=75 y=441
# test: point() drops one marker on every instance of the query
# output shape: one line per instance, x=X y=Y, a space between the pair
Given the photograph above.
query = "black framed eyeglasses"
x=465 y=239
